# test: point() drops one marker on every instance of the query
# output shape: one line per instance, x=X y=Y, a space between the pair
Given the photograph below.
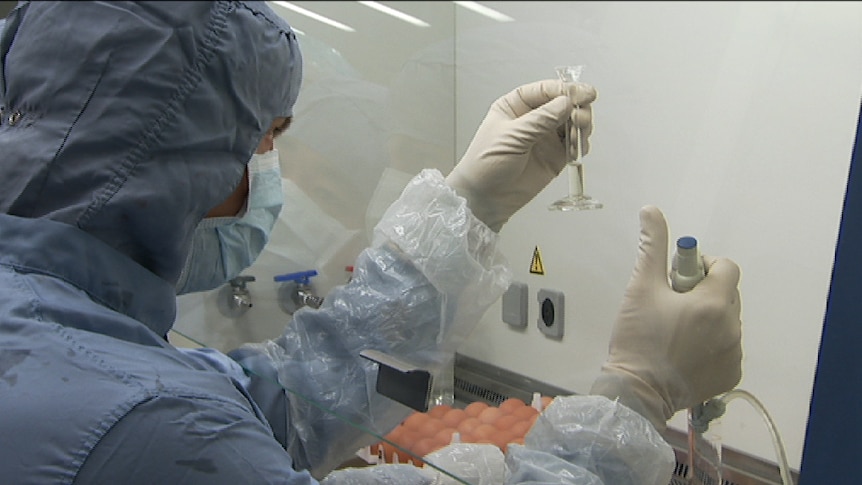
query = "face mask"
x=222 y=247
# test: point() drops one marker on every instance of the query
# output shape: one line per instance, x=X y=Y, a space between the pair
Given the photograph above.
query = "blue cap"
x=686 y=242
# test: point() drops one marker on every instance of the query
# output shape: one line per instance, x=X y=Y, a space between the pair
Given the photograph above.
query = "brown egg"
x=510 y=405
x=407 y=438
x=483 y=432
x=430 y=428
x=423 y=447
x=506 y=422
x=525 y=412
x=454 y=417
x=490 y=415
x=396 y=432
x=474 y=408
x=502 y=438
x=468 y=425
x=521 y=428
x=546 y=401
x=439 y=411
x=444 y=436
x=416 y=420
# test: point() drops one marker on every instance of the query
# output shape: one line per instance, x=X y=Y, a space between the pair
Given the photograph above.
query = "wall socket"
x=551 y=313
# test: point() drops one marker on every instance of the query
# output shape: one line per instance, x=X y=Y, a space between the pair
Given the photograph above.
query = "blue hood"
x=131 y=120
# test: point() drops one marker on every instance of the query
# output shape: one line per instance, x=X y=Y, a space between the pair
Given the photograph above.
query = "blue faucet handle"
x=301 y=277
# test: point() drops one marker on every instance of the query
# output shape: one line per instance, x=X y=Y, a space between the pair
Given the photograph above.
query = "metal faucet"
x=305 y=296
x=297 y=292
x=239 y=296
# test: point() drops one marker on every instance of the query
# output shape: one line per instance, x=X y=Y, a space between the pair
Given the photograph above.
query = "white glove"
x=518 y=149
x=670 y=351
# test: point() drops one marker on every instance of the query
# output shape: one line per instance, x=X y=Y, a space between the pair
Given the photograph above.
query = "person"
x=138 y=163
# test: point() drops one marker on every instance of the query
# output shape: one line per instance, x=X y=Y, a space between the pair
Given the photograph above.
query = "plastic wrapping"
x=382 y=475
x=537 y=467
x=610 y=440
x=476 y=464
x=416 y=293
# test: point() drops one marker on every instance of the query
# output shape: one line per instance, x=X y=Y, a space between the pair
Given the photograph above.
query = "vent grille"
x=473 y=392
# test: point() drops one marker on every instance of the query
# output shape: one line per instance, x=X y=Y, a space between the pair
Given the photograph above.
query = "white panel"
x=736 y=119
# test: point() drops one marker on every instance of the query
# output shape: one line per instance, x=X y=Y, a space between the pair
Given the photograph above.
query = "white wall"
x=735 y=118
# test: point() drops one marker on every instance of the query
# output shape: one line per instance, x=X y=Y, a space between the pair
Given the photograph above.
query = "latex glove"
x=518 y=149
x=670 y=351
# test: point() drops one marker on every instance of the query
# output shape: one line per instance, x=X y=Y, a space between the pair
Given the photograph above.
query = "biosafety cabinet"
x=737 y=119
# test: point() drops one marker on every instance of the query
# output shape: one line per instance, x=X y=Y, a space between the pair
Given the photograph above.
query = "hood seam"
x=190 y=79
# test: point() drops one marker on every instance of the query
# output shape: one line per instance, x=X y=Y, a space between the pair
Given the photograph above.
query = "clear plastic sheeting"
x=382 y=475
x=476 y=464
x=536 y=468
x=610 y=440
x=416 y=293
x=472 y=464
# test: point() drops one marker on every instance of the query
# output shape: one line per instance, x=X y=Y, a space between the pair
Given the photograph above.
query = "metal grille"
x=479 y=393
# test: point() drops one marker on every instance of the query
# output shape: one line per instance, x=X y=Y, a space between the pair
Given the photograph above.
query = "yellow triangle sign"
x=536 y=266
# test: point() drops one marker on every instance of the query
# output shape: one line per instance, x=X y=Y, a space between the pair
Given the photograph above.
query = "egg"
x=454 y=417
x=525 y=412
x=546 y=401
x=483 y=433
x=430 y=428
x=474 y=408
x=510 y=405
x=416 y=420
x=444 y=436
x=521 y=428
x=423 y=447
x=439 y=411
x=502 y=438
x=467 y=426
x=490 y=415
x=407 y=438
x=506 y=422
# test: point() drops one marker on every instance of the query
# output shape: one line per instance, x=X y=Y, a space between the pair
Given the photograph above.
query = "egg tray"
x=422 y=433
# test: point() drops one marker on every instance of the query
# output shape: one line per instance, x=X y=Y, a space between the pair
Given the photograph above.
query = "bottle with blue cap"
x=704 y=443
x=687 y=266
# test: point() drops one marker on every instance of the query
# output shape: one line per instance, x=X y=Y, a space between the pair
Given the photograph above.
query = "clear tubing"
x=783 y=467
x=701 y=445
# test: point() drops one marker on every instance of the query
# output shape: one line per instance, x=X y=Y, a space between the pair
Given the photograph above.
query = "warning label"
x=536 y=266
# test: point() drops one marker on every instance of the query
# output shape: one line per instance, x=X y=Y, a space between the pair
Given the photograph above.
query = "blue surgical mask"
x=222 y=247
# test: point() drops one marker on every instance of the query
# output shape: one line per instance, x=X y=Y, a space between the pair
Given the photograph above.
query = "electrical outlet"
x=551 y=313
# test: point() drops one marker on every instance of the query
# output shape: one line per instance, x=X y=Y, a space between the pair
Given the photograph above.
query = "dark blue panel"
x=833 y=439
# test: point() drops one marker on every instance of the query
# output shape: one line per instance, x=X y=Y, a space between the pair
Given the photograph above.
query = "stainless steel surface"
x=479 y=381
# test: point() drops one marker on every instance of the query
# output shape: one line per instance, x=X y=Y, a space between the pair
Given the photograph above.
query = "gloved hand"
x=670 y=351
x=518 y=149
